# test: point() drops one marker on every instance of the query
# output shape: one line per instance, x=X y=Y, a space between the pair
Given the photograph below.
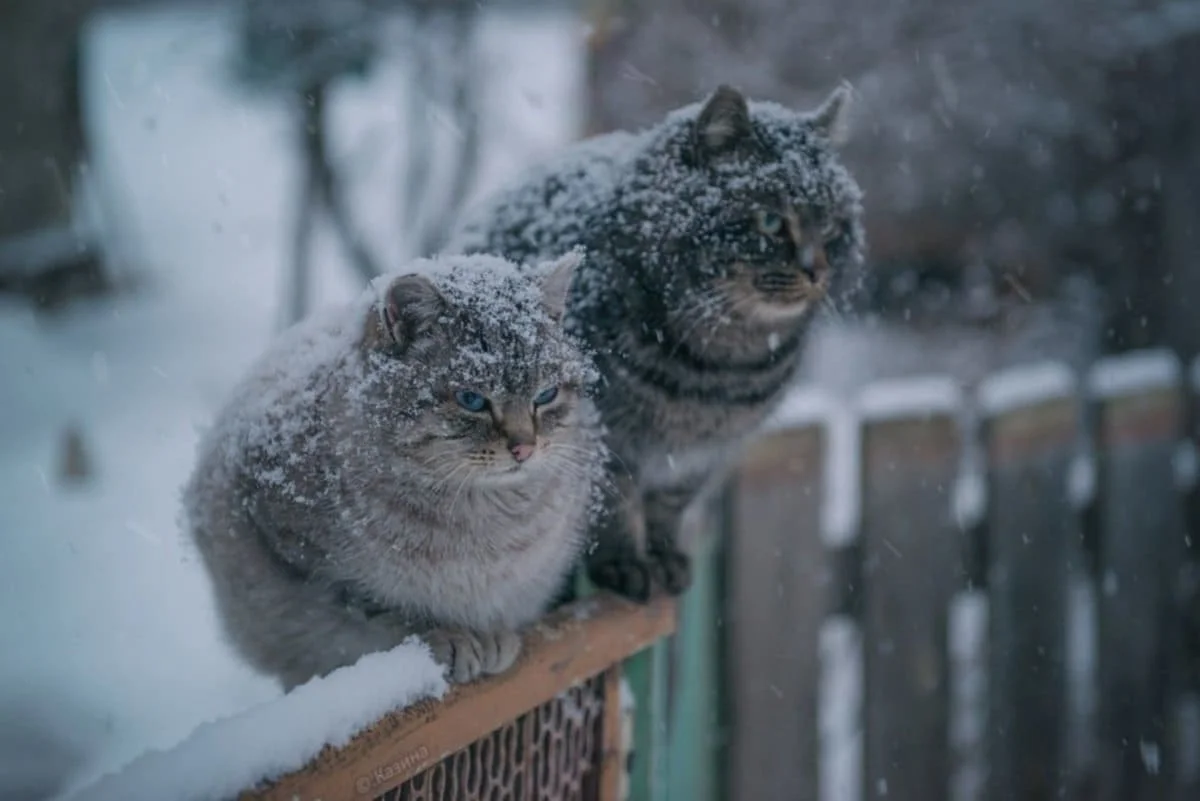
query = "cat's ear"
x=556 y=282
x=723 y=123
x=832 y=118
x=409 y=309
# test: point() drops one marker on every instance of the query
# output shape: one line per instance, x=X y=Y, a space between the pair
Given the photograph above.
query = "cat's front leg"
x=469 y=655
x=663 y=508
x=616 y=559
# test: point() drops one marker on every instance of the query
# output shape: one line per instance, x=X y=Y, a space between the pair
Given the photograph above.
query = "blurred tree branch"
x=302 y=50
x=48 y=252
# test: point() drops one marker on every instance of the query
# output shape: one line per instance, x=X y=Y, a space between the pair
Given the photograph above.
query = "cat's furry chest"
x=481 y=572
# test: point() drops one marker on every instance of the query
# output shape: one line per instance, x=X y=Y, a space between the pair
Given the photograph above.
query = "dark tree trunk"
x=43 y=147
x=41 y=136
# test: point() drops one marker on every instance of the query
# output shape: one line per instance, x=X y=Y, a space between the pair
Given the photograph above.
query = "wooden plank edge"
x=570 y=646
x=1030 y=432
x=611 y=752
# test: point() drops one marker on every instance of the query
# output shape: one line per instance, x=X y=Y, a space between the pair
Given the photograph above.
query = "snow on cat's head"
x=468 y=373
x=748 y=203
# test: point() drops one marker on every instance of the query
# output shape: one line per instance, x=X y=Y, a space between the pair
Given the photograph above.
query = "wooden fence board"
x=1140 y=553
x=778 y=595
x=912 y=566
x=1032 y=538
x=1187 y=778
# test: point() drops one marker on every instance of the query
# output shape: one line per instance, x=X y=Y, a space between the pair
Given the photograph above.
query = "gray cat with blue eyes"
x=711 y=241
x=421 y=463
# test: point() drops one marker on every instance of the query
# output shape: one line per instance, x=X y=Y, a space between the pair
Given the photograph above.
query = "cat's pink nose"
x=521 y=451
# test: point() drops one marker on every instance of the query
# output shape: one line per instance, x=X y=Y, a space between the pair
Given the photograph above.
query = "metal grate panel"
x=551 y=753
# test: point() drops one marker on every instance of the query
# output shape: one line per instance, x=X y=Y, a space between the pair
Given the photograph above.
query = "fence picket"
x=912 y=566
x=1032 y=540
x=1141 y=552
x=778 y=596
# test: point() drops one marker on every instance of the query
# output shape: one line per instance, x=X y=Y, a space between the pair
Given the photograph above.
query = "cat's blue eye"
x=470 y=400
x=545 y=396
x=770 y=223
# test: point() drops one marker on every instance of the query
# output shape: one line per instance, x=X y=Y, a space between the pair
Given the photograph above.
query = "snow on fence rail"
x=1078 y=676
x=549 y=728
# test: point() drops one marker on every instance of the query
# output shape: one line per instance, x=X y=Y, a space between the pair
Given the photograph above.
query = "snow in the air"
x=223 y=757
x=110 y=645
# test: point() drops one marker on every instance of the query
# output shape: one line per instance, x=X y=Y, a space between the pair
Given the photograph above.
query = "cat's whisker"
x=567 y=458
x=831 y=306
x=442 y=477
x=707 y=305
x=469 y=475
x=589 y=454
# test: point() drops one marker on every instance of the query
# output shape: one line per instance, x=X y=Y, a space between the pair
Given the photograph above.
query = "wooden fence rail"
x=549 y=729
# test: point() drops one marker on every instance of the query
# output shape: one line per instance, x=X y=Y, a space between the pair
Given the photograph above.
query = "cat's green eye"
x=770 y=223
x=546 y=396
x=470 y=400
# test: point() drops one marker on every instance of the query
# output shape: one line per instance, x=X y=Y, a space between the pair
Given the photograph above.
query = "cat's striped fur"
x=712 y=239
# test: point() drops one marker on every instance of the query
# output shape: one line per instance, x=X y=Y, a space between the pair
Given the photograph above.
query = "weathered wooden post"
x=1141 y=552
x=778 y=596
x=1030 y=430
x=1187 y=777
x=912 y=566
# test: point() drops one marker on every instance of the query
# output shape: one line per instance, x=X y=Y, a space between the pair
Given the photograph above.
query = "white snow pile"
x=1130 y=373
x=903 y=398
x=1024 y=386
x=224 y=757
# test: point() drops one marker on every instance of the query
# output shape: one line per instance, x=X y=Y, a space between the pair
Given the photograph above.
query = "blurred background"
x=179 y=180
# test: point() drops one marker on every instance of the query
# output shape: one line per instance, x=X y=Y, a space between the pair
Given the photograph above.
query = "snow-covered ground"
x=108 y=643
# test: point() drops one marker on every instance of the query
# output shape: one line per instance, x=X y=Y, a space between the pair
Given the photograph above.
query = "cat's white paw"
x=469 y=654
x=502 y=648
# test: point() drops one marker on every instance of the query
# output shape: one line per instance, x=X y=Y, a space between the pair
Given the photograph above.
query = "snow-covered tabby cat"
x=712 y=239
x=421 y=463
